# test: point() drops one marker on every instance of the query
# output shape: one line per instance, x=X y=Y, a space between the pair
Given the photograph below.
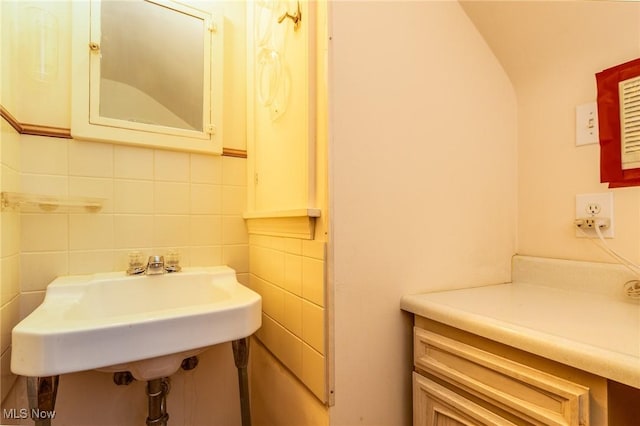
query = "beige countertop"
x=593 y=328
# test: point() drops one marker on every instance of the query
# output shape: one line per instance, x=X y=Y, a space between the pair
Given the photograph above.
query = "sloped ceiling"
x=527 y=37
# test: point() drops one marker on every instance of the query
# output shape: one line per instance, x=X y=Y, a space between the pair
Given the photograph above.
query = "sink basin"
x=143 y=324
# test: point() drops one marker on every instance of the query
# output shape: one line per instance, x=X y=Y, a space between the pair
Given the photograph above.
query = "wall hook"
x=295 y=18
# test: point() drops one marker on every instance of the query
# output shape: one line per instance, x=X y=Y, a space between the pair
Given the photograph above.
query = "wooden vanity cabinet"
x=436 y=405
x=464 y=379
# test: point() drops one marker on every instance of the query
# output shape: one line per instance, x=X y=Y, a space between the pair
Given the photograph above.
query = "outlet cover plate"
x=604 y=200
x=587 y=124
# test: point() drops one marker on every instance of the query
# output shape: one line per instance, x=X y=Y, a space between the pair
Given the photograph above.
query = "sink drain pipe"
x=157 y=391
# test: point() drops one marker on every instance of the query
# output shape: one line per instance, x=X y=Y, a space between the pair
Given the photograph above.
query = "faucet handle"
x=172 y=262
x=135 y=263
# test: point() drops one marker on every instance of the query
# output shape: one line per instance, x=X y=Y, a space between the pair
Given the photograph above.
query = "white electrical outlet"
x=592 y=206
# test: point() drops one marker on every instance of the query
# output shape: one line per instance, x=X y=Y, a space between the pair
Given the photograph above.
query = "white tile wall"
x=234 y=230
x=133 y=163
x=171 y=166
x=94 y=187
x=45 y=156
x=133 y=196
x=9 y=252
x=9 y=277
x=206 y=198
x=154 y=200
x=289 y=275
x=41 y=267
x=208 y=169
x=8 y=318
x=90 y=231
x=90 y=159
x=132 y=231
x=44 y=232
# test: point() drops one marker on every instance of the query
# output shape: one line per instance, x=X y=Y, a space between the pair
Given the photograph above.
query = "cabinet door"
x=281 y=107
x=529 y=394
x=435 y=405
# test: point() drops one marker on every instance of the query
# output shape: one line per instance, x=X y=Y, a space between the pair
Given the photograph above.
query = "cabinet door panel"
x=281 y=109
x=435 y=405
x=535 y=396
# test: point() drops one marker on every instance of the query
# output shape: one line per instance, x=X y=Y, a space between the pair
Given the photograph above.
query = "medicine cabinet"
x=147 y=72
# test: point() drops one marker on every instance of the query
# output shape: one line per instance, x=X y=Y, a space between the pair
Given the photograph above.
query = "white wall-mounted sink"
x=143 y=324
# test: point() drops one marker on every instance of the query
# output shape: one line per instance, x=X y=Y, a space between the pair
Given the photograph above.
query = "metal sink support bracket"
x=42 y=392
x=241 y=359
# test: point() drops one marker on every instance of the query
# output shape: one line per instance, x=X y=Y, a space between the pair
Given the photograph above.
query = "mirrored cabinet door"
x=147 y=72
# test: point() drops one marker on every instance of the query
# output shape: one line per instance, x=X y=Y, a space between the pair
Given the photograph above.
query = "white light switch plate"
x=587 y=124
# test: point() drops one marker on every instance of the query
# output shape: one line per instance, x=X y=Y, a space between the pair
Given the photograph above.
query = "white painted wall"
x=552 y=169
x=423 y=176
x=552 y=72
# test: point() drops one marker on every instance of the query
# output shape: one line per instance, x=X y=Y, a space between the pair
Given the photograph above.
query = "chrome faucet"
x=155 y=266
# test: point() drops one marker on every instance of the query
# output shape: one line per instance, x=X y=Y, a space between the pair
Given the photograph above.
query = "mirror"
x=140 y=60
x=147 y=72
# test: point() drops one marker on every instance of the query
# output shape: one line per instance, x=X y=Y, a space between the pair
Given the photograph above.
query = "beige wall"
x=552 y=170
x=553 y=71
x=423 y=165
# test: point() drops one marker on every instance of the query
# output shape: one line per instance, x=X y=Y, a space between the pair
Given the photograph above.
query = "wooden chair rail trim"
x=60 y=132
